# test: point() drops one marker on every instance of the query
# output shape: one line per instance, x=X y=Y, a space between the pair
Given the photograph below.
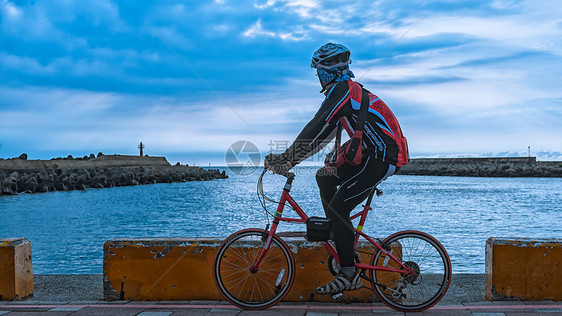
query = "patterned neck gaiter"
x=335 y=73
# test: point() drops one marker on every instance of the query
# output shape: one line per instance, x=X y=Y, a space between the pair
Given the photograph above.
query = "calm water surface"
x=67 y=229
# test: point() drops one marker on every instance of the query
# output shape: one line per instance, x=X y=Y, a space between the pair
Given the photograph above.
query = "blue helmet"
x=332 y=63
x=330 y=55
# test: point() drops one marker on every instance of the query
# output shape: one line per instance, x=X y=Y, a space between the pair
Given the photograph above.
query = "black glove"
x=277 y=164
x=273 y=159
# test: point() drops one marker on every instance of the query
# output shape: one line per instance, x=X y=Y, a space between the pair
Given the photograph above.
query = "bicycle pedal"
x=342 y=299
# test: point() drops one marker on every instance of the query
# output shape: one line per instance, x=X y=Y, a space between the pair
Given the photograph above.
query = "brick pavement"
x=214 y=308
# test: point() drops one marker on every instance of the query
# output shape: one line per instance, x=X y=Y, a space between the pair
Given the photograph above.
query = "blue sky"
x=466 y=78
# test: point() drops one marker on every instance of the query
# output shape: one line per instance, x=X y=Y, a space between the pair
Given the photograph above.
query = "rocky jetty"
x=19 y=175
x=483 y=167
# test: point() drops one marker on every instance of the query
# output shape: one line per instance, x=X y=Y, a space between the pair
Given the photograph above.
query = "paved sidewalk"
x=83 y=295
x=312 y=309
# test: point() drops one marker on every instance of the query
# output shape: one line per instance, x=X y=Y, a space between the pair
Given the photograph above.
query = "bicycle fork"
x=285 y=197
x=254 y=267
x=267 y=238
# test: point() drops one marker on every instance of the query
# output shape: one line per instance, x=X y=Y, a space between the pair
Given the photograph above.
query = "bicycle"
x=255 y=269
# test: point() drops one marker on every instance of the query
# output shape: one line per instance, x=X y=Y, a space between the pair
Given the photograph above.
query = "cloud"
x=44 y=121
x=10 y=11
x=264 y=4
x=257 y=29
x=471 y=74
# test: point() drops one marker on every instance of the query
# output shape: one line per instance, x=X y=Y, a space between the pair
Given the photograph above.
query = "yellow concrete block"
x=523 y=268
x=181 y=269
x=16 y=273
x=159 y=269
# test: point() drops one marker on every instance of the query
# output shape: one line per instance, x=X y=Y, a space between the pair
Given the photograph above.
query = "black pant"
x=342 y=191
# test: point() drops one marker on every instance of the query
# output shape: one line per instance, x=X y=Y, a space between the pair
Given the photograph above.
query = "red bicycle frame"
x=287 y=198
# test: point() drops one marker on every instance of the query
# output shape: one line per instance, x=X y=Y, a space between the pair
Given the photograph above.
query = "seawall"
x=20 y=175
x=102 y=161
x=483 y=167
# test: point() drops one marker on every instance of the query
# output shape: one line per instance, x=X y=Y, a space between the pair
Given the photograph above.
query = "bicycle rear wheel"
x=430 y=277
x=248 y=290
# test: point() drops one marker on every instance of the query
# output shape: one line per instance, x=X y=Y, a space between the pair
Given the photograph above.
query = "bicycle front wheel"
x=430 y=272
x=246 y=289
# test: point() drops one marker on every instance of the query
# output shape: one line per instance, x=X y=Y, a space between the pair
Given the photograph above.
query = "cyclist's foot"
x=341 y=283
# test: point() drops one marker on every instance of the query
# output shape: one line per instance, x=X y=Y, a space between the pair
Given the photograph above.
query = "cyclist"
x=341 y=190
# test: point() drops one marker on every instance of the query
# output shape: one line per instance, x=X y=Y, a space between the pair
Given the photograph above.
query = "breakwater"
x=483 y=167
x=19 y=175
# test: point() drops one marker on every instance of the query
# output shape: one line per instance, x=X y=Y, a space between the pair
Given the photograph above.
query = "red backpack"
x=351 y=152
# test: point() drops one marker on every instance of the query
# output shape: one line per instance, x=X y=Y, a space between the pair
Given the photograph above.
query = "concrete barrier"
x=16 y=273
x=181 y=269
x=523 y=268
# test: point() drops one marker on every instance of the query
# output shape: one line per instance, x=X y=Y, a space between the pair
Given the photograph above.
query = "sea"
x=67 y=229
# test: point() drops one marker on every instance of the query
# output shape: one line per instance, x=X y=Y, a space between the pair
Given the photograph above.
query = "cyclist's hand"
x=267 y=162
x=271 y=162
x=280 y=169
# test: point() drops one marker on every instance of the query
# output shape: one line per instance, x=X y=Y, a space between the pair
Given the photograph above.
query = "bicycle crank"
x=334 y=266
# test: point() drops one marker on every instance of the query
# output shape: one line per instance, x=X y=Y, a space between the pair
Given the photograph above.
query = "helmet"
x=330 y=55
x=332 y=64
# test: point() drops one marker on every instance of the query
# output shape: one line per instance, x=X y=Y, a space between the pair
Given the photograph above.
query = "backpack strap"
x=338 y=135
x=362 y=116
x=354 y=151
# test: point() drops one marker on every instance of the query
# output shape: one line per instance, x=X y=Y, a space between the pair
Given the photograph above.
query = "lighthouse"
x=141 y=146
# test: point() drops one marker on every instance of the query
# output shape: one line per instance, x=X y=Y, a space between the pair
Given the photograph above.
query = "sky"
x=191 y=78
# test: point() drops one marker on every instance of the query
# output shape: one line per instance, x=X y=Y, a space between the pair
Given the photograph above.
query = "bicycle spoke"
x=270 y=282
x=268 y=286
x=253 y=288
x=423 y=257
x=240 y=254
x=258 y=288
x=428 y=279
x=234 y=266
x=269 y=258
x=237 y=280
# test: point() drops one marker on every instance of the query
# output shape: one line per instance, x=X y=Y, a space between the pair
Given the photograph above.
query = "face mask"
x=336 y=74
x=325 y=76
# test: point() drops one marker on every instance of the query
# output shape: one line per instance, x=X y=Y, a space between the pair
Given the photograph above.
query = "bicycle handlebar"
x=281 y=170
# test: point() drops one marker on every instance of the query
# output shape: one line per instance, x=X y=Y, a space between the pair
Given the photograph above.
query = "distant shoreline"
x=483 y=167
x=19 y=175
x=507 y=167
